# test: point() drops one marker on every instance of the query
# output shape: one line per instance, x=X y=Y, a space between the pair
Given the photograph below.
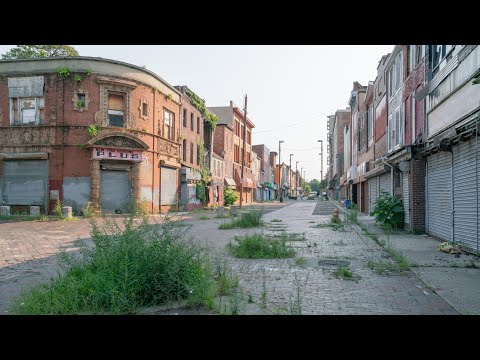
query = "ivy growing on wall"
x=210 y=119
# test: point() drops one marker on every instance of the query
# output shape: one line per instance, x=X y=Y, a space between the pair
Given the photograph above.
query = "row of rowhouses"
x=89 y=130
x=414 y=133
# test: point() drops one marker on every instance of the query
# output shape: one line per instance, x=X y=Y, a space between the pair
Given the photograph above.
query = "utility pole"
x=321 y=158
x=243 y=150
x=289 y=174
x=301 y=174
x=296 y=178
x=280 y=171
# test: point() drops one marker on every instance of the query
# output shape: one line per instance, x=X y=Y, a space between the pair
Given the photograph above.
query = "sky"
x=291 y=88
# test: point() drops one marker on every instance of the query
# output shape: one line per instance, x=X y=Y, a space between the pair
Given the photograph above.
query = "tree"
x=39 y=51
x=308 y=190
x=323 y=184
x=315 y=185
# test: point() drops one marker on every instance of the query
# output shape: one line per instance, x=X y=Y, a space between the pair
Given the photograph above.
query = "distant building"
x=232 y=115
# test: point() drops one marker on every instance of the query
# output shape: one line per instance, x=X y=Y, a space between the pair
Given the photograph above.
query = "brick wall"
x=192 y=136
x=67 y=155
x=417 y=195
x=222 y=132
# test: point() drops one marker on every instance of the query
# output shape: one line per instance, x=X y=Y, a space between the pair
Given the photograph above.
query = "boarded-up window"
x=168 y=186
x=115 y=110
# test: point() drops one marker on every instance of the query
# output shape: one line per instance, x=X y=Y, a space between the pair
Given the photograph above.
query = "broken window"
x=27 y=111
x=168 y=124
x=26 y=100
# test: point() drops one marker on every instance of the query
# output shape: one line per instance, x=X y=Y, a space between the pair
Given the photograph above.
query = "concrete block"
x=233 y=210
x=34 y=210
x=67 y=212
x=4 y=210
x=220 y=211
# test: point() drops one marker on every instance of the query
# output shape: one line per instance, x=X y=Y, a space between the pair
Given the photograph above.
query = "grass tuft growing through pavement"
x=249 y=219
x=257 y=246
x=135 y=266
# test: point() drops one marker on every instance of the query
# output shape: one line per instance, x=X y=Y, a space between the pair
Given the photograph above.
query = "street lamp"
x=279 y=170
x=321 y=158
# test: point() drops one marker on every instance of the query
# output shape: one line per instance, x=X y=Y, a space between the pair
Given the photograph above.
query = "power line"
x=301 y=122
x=311 y=149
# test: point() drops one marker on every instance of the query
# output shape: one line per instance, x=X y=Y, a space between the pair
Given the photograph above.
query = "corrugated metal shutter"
x=168 y=186
x=439 y=195
x=115 y=191
x=385 y=183
x=25 y=182
x=465 y=192
x=405 y=196
x=372 y=191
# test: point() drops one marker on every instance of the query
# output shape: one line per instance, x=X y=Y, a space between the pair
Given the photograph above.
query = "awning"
x=248 y=183
x=230 y=182
x=248 y=179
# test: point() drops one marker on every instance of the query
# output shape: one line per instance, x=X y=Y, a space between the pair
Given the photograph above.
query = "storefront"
x=188 y=188
x=24 y=180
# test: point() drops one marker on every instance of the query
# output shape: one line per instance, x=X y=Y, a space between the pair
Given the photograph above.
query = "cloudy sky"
x=291 y=89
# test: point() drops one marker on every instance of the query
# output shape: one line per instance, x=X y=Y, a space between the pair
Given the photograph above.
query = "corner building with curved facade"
x=81 y=129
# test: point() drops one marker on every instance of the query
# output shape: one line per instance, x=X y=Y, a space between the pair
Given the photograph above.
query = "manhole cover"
x=338 y=263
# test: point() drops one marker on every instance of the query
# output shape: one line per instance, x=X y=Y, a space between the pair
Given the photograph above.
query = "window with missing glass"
x=184 y=148
x=168 y=124
x=27 y=103
x=184 y=118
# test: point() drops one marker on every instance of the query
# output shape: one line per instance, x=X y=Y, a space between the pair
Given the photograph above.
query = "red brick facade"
x=64 y=134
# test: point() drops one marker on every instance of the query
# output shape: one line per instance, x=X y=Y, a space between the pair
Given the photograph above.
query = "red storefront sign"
x=116 y=154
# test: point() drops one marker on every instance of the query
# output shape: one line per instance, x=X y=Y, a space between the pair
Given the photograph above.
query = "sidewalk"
x=455 y=279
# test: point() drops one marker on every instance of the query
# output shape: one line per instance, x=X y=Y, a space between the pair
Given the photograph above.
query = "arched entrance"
x=115 y=171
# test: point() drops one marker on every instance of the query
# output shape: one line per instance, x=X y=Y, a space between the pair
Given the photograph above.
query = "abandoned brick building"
x=84 y=129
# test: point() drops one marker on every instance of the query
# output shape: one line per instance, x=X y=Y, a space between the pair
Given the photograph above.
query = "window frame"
x=198 y=124
x=185 y=113
x=192 y=126
x=39 y=106
x=191 y=152
x=184 y=146
x=170 y=126
x=116 y=112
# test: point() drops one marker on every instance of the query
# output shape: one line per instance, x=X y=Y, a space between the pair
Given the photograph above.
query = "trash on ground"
x=449 y=248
